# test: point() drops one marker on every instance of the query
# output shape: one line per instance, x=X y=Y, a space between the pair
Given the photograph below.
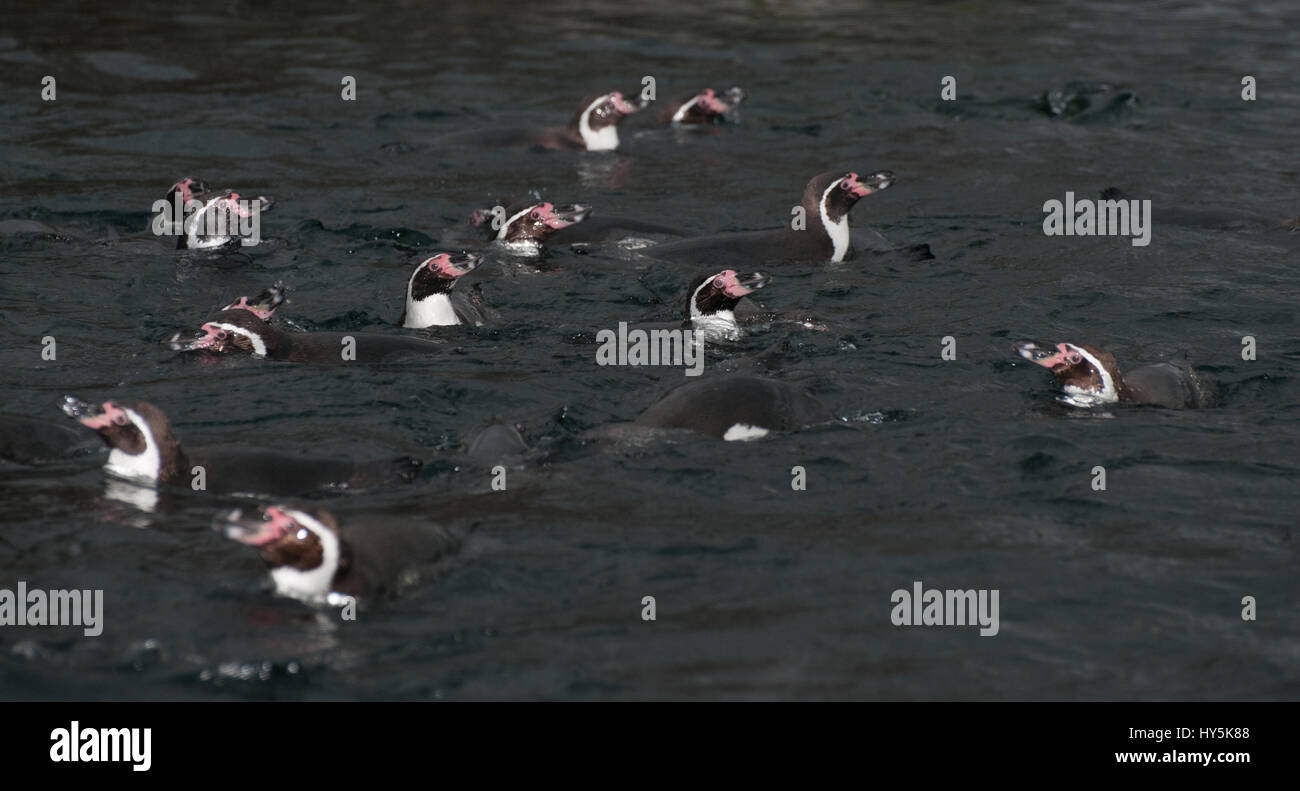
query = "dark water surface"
x=962 y=474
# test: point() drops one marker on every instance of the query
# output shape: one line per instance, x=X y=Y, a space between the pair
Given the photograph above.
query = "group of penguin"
x=311 y=556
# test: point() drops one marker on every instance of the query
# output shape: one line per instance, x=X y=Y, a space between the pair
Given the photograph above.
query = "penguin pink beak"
x=243 y=304
x=860 y=187
x=231 y=202
x=108 y=414
x=189 y=189
x=209 y=336
x=621 y=104
x=549 y=217
x=263 y=305
x=710 y=101
x=273 y=525
x=546 y=213
x=737 y=285
x=443 y=265
x=1062 y=357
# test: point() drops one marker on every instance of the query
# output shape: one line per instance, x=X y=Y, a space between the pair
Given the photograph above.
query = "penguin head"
x=534 y=223
x=138 y=434
x=263 y=305
x=1088 y=375
x=706 y=106
x=605 y=110
x=438 y=273
x=710 y=294
x=301 y=547
x=596 y=123
x=229 y=332
x=834 y=194
x=188 y=189
x=220 y=219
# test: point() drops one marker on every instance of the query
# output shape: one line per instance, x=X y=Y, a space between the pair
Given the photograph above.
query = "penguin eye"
x=717 y=283
x=302 y=533
x=533 y=214
x=221 y=335
x=844 y=185
x=1074 y=358
x=119 y=420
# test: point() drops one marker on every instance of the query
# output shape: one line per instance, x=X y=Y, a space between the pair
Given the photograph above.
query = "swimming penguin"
x=735 y=407
x=594 y=128
x=712 y=299
x=430 y=300
x=204 y=219
x=143 y=449
x=1089 y=377
x=495 y=443
x=242 y=332
x=315 y=559
x=586 y=226
x=827 y=199
x=529 y=226
x=702 y=107
x=721 y=306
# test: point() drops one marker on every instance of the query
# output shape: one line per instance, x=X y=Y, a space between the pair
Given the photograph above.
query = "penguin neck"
x=684 y=109
x=602 y=139
x=1110 y=390
x=314 y=585
x=433 y=310
x=719 y=325
x=209 y=214
x=516 y=239
x=159 y=463
x=836 y=228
